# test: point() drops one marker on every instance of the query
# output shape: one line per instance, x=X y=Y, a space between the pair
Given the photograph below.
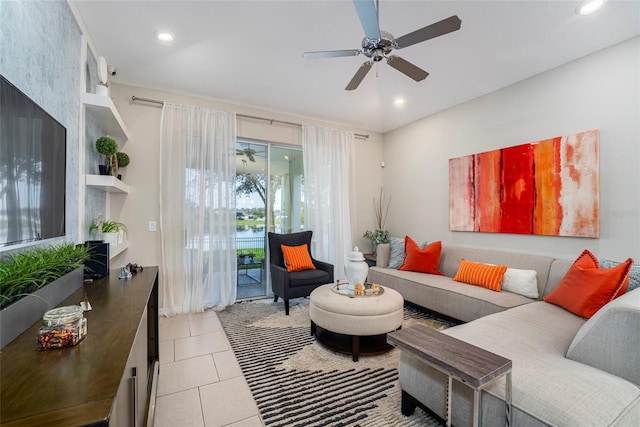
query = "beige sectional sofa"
x=459 y=300
x=567 y=371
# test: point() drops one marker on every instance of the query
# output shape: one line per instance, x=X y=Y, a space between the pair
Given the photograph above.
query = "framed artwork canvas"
x=548 y=187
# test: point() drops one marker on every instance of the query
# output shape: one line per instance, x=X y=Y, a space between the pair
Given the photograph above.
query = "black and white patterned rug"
x=298 y=382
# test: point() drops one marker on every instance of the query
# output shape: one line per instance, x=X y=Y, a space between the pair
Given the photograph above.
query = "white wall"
x=140 y=206
x=598 y=91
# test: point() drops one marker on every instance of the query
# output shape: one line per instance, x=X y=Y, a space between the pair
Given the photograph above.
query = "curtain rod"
x=244 y=116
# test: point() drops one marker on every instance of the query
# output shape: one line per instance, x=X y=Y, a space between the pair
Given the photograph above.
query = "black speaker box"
x=98 y=263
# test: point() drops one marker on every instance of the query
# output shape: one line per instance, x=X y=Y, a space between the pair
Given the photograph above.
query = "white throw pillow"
x=523 y=282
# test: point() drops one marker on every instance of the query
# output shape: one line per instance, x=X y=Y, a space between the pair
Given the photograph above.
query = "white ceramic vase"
x=356 y=268
x=111 y=238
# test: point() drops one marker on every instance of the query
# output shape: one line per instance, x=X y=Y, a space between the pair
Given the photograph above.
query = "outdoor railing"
x=251 y=247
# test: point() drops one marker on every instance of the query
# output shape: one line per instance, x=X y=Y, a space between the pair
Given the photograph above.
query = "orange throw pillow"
x=586 y=287
x=588 y=260
x=297 y=258
x=425 y=260
x=485 y=275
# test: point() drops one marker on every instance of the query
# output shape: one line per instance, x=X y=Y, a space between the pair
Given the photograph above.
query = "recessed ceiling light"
x=164 y=36
x=589 y=6
x=399 y=102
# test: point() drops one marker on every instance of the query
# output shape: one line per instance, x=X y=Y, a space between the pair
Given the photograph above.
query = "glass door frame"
x=269 y=219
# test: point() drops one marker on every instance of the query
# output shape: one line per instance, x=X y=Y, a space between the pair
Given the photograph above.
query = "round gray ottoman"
x=355 y=318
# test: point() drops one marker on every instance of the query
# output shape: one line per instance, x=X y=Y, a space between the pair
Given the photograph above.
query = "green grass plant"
x=107 y=227
x=23 y=273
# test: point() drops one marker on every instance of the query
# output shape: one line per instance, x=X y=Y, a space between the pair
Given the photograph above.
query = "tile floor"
x=200 y=381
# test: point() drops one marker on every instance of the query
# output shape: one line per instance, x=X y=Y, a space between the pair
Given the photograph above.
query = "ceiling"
x=250 y=52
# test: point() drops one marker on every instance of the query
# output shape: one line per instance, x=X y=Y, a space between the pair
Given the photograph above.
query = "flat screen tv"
x=33 y=147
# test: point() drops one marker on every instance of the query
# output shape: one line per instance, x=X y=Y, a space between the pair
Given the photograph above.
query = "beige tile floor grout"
x=200 y=381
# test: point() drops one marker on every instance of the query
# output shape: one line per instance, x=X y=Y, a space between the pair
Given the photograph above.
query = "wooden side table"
x=370 y=259
x=459 y=360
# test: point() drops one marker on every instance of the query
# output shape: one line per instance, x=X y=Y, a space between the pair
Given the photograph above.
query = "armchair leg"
x=286 y=307
x=275 y=298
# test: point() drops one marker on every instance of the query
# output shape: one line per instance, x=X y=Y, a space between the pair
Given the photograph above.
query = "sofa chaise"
x=567 y=371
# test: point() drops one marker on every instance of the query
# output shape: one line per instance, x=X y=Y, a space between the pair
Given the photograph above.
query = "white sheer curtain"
x=197 y=208
x=328 y=180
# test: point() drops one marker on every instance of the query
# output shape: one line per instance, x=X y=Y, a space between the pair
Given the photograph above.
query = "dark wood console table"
x=107 y=379
x=471 y=365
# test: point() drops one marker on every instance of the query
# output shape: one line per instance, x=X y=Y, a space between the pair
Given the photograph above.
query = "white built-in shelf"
x=115 y=250
x=106 y=114
x=107 y=183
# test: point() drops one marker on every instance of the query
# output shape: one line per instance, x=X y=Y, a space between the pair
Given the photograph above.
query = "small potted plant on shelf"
x=123 y=161
x=108 y=147
x=111 y=232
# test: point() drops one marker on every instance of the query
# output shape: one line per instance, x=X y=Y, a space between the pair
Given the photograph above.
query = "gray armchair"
x=295 y=284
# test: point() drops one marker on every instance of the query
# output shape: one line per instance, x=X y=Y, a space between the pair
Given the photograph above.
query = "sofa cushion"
x=548 y=388
x=586 y=288
x=523 y=282
x=396 y=251
x=557 y=271
x=308 y=277
x=297 y=258
x=610 y=340
x=634 y=273
x=451 y=256
x=424 y=260
x=475 y=273
x=440 y=293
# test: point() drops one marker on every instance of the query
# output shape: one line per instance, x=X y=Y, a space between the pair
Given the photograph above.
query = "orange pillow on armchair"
x=297 y=258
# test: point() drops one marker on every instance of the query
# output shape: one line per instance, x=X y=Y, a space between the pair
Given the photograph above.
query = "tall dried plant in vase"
x=380 y=209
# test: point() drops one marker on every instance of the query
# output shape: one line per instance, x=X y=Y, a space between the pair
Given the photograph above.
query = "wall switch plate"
x=152 y=226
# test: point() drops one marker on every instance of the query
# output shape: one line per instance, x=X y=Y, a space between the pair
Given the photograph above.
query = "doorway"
x=251 y=217
x=273 y=204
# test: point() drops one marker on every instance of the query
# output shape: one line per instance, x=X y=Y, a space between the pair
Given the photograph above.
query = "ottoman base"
x=354 y=345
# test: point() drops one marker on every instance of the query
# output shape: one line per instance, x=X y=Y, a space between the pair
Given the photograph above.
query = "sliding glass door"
x=251 y=217
x=287 y=190
x=269 y=192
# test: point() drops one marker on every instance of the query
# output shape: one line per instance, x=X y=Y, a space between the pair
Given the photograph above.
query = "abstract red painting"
x=548 y=187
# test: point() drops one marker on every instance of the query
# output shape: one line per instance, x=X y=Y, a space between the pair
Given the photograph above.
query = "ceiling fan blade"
x=368 y=18
x=407 y=68
x=359 y=76
x=320 y=54
x=440 y=28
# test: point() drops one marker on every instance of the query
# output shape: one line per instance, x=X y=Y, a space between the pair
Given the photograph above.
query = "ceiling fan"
x=249 y=152
x=377 y=45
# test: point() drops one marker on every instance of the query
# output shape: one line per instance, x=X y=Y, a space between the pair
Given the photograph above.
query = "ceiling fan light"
x=164 y=36
x=589 y=6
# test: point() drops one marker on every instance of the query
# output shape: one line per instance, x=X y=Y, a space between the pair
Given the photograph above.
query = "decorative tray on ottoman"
x=358 y=290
